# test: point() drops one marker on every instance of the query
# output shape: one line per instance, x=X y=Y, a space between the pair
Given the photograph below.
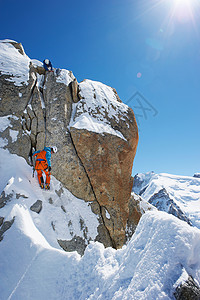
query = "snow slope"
x=183 y=190
x=63 y=215
x=147 y=268
x=32 y=266
x=13 y=63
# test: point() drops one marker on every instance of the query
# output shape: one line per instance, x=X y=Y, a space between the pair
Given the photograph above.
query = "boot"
x=47 y=186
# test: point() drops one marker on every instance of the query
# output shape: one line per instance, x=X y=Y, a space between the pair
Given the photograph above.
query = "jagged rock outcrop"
x=163 y=202
x=95 y=133
x=188 y=289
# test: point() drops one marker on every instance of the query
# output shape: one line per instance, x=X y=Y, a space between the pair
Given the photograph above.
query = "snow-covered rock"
x=95 y=133
x=186 y=287
x=197 y=175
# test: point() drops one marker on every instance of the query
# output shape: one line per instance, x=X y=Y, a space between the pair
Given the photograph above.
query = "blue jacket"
x=47 y=67
x=48 y=154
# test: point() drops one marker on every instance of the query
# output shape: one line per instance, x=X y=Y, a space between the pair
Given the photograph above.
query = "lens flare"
x=184 y=10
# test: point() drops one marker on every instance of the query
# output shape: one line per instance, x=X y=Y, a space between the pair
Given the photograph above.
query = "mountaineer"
x=47 y=65
x=43 y=164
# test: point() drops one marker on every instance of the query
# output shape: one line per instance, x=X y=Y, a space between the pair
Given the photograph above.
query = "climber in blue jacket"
x=47 y=65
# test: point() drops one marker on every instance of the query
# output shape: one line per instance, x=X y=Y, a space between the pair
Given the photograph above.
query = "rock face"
x=189 y=290
x=163 y=202
x=95 y=133
x=105 y=136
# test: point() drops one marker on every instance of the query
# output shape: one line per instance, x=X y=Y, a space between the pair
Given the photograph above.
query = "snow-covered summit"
x=167 y=191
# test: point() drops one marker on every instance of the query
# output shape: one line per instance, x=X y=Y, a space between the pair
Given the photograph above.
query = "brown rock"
x=106 y=146
x=108 y=162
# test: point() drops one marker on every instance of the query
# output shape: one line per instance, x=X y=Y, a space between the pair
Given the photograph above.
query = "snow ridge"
x=184 y=191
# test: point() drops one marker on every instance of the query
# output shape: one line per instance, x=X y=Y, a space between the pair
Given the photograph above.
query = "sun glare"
x=184 y=10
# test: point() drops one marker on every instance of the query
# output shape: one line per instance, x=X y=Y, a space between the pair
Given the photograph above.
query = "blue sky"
x=148 y=47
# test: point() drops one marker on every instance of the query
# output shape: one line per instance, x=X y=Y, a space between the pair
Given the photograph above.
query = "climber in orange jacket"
x=43 y=164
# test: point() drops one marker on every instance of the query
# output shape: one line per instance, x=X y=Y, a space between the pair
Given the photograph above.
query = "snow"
x=14 y=64
x=36 y=63
x=144 y=205
x=64 y=76
x=160 y=254
x=107 y=215
x=184 y=190
x=95 y=112
x=4 y=122
x=87 y=122
x=74 y=211
x=147 y=268
x=13 y=135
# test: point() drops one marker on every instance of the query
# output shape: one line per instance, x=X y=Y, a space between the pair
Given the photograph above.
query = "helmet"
x=54 y=149
x=46 y=61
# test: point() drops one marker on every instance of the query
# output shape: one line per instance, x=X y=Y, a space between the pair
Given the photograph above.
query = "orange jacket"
x=41 y=161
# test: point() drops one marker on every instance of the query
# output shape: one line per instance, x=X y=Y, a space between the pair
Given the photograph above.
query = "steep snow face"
x=183 y=190
x=97 y=108
x=14 y=64
x=62 y=217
